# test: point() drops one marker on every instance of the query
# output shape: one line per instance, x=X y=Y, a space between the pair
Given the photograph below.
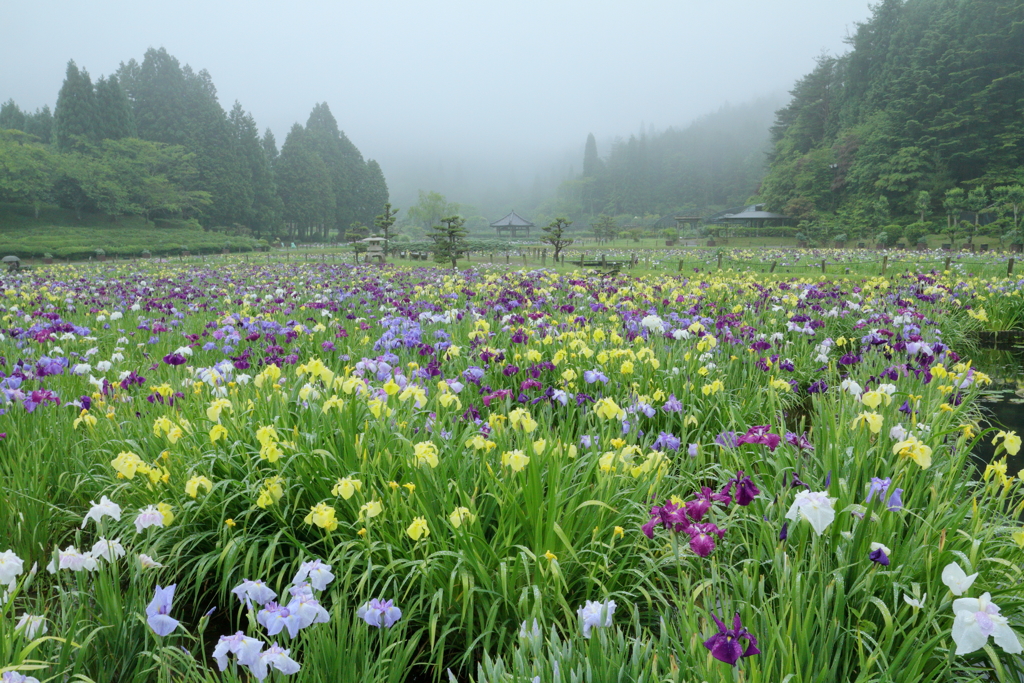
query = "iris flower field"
x=324 y=472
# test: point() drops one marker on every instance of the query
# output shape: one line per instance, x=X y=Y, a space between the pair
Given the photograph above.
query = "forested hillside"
x=923 y=118
x=153 y=140
x=715 y=162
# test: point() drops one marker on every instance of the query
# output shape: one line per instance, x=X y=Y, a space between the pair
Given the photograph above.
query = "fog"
x=469 y=98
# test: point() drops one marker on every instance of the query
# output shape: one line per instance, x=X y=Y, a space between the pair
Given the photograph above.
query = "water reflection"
x=1003 y=402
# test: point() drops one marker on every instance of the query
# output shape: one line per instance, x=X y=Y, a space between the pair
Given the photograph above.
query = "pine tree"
x=40 y=124
x=158 y=92
x=265 y=211
x=75 y=115
x=11 y=116
x=449 y=240
x=114 y=112
x=375 y=195
x=555 y=235
x=222 y=169
x=386 y=224
x=304 y=183
x=269 y=145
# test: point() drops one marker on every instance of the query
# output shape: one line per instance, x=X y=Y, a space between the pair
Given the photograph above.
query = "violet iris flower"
x=379 y=613
x=895 y=502
x=746 y=491
x=878 y=487
x=158 y=610
x=725 y=645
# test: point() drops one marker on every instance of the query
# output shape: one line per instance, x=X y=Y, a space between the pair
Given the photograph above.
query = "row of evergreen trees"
x=317 y=183
x=714 y=163
x=929 y=98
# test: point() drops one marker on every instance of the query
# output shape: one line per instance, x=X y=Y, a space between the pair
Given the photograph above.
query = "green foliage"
x=75 y=118
x=928 y=98
x=385 y=223
x=554 y=234
x=449 y=240
x=25 y=236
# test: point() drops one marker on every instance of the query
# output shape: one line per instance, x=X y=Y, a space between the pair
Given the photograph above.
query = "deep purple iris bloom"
x=763 y=435
x=174 y=359
x=746 y=491
x=879 y=556
x=725 y=645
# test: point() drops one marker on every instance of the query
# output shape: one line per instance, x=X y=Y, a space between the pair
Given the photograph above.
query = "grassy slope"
x=57 y=232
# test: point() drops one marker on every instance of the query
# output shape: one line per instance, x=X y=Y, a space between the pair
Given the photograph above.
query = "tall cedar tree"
x=75 y=115
x=114 y=116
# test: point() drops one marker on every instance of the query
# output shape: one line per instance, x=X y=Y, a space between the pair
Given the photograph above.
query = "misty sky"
x=446 y=86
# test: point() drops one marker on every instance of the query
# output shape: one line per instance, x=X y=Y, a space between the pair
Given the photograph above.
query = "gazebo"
x=754 y=216
x=512 y=223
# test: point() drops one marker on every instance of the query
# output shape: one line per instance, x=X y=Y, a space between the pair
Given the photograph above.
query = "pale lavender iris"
x=158 y=610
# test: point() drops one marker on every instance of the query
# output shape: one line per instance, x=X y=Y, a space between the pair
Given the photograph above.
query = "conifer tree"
x=449 y=240
x=114 y=116
x=75 y=115
x=11 y=116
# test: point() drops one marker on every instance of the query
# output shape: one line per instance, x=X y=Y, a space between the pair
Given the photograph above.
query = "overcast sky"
x=451 y=82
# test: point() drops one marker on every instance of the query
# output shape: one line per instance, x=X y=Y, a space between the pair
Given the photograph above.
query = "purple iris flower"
x=746 y=491
x=672 y=405
x=878 y=555
x=591 y=376
x=667 y=442
x=784 y=532
x=725 y=645
x=174 y=359
x=878 y=487
x=796 y=482
x=379 y=613
x=727 y=440
x=761 y=435
x=800 y=441
x=819 y=387
x=158 y=610
x=895 y=502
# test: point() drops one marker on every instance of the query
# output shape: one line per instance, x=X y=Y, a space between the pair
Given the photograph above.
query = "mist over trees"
x=714 y=163
x=927 y=101
x=153 y=140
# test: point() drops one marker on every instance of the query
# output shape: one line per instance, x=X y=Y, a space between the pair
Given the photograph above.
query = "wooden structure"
x=374 y=249
x=754 y=216
x=511 y=225
x=13 y=263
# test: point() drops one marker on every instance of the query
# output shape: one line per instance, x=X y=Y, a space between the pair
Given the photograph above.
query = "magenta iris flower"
x=726 y=645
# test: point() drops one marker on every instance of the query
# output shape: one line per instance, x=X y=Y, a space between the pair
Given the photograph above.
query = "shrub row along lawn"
x=321 y=472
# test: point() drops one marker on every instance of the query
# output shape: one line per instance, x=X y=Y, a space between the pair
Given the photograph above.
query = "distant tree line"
x=714 y=163
x=921 y=118
x=153 y=140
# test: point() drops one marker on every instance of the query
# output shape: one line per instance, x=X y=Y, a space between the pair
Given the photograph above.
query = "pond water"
x=1003 y=400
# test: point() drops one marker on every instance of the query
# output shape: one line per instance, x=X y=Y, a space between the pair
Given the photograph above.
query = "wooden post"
x=680 y=265
x=772 y=269
x=946 y=267
x=506 y=257
x=885 y=263
x=544 y=258
x=492 y=257
x=524 y=258
x=602 y=260
x=719 y=261
x=1009 y=267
